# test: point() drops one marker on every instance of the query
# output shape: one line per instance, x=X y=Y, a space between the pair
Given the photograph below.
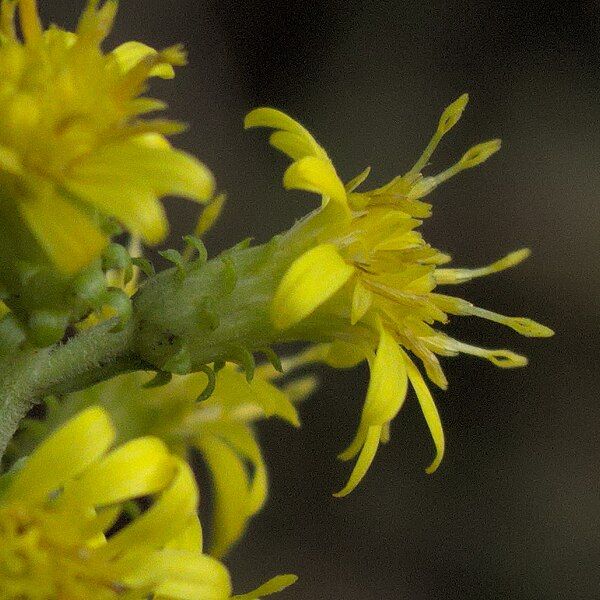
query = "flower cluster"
x=370 y=272
x=135 y=371
x=220 y=428
x=58 y=510
x=77 y=158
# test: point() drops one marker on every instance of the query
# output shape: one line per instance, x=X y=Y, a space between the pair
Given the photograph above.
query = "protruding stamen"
x=471 y=158
x=455 y=276
x=449 y=118
x=479 y=153
x=522 y=325
x=504 y=359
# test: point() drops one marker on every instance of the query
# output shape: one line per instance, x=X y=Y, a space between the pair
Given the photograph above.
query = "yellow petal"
x=356 y=181
x=365 y=458
x=346 y=355
x=294 y=145
x=138 y=209
x=301 y=388
x=129 y=54
x=362 y=298
x=388 y=383
x=430 y=412
x=242 y=439
x=311 y=280
x=385 y=396
x=209 y=215
x=69 y=237
x=183 y=575
x=231 y=484
x=275 y=119
x=236 y=395
x=126 y=180
x=190 y=538
x=272 y=586
x=158 y=168
x=163 y=521
x=64 y=455
x=30 y=21
x=274 y=401
x=138 y=468
x=356 y=444
x=316 y=175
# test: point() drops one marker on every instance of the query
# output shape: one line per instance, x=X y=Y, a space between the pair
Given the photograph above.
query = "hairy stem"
x=184 y=318
x=91 y=356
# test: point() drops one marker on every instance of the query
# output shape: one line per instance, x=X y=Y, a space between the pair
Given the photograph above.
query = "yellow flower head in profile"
x=75 y=149
x=60 y=517
x=367 y=280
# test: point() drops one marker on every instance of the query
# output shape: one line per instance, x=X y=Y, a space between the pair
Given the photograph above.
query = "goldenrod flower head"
x=221 y=428
x=76 y=153
x=367 y=280
x=73 y=142
x=59 y=515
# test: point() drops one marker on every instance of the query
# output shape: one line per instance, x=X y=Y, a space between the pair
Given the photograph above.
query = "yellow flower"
x=59 y=517
x=367 y=281
x=74 y=146
x=221 y=428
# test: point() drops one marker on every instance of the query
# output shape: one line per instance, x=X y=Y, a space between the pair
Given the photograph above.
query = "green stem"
x=183 y=319
x=91 y=356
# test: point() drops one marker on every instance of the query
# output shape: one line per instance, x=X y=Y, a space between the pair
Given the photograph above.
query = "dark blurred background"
x=514 y=510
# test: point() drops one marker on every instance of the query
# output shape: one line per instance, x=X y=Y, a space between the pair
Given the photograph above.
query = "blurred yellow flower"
x=221 y=428
x=74 y=146
x=369 y=278
x=61 y=514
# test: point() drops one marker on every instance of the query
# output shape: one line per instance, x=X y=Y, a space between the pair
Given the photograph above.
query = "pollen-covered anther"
x=452 y=114
x=479 y=153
